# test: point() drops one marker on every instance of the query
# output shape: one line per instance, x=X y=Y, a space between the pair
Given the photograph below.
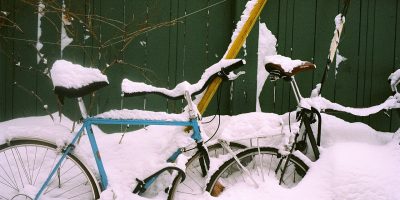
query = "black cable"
x=218 y=113
x=219 y=117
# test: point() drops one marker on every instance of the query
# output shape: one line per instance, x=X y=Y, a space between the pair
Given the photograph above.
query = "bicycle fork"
x=245 y=170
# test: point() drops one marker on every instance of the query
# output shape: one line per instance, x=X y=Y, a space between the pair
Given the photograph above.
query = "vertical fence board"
x=346 y=76
x=173 y=53
x=395 y=114
x=303 y=41
x=218 y=37
x=158 y=41
x=270 y=16
x=383 y=56
x=24 y=103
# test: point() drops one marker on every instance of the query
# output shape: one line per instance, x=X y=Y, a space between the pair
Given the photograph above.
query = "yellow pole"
x=232 y=53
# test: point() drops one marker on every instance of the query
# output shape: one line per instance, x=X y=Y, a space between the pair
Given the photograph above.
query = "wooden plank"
x=383 y=56
x=326 y=12
x=364 y=27
x=395 y=114
x=9 y=66
x=346 y=79
x=156 y=47
x=50 y=39
x=270 y=16
x=232 y=52
x=24 y=103
x=173 y=52
x=218 y=33
x=303 y=41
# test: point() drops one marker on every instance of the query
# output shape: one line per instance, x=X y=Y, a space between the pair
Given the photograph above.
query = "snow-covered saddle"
x=221 y=69
x=284 y=67
x=73 y=80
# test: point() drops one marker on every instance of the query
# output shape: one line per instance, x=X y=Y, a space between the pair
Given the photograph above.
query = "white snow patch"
x=39 y=45
x=137 y=87
x=339 y=59
x=69 y=75
x=65 y=39
x=320 y=103
x=394 y=79
x=356 y=163
x=141 y=114
x=266 y=47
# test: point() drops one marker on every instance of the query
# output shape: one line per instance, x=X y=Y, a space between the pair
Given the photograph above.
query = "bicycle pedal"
x=139 y=187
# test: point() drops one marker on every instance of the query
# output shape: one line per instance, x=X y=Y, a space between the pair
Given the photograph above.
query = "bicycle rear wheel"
x=25 y=165
x=195 y=183
x=264 y=163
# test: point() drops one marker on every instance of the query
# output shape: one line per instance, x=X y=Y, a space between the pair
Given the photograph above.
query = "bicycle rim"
x=26 y=164
x=264 y=164
x=195 y=183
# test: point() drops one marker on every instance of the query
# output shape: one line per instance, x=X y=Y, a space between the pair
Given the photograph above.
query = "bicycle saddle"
x=284 y=67
x=221 y=69
x=73 y=80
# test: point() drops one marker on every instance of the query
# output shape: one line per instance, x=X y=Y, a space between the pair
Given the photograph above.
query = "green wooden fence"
x=163 y=42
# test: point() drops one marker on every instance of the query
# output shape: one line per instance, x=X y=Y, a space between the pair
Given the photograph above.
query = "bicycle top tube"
x=126 y=114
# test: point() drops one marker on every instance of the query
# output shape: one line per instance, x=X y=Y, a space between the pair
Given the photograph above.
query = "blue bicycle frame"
x=87 y=125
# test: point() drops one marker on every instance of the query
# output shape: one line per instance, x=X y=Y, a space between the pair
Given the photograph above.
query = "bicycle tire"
x=226 y=175
x=26 y=163
x=194 y=175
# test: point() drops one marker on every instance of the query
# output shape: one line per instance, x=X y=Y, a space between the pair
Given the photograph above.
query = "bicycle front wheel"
x=264 y=163
x=195 y=183
x=26 y=164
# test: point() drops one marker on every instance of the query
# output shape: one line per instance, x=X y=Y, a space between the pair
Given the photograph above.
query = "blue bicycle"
x=38 y=169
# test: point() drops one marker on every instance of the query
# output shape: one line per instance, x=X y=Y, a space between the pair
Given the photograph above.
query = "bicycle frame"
x=87 y=125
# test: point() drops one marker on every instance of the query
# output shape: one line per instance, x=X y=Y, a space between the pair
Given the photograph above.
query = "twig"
x=13 y=24
x=37 y=97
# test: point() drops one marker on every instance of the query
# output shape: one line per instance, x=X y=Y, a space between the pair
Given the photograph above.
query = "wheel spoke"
x=29 y=160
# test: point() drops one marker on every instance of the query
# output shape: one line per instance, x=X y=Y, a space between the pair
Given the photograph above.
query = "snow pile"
x=394 y=79
x=339 y=59
x=141 y=114
x=130 y=87
x=356 y=163
x=39 y=45
x=266 y=47
x=69 y=75
x=320 y=103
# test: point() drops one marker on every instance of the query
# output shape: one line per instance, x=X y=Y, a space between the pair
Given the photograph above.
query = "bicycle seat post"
x=82 y=107
x=296 y=90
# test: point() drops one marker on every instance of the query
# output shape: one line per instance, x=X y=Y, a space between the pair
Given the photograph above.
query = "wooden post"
x=232 y=53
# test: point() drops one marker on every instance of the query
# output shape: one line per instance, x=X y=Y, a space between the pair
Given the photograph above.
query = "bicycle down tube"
x=87 y=125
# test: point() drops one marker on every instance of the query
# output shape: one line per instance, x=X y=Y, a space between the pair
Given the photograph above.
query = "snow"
x=141 y=114
x=339 y=59
x=356 y=162
x=69 y=75
x=137 y=87
x=266 y=47
x=39 y=45
x=339 y=20
x=320 y=103
x=394 y=79
x=286 y=63
x=65 y=39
